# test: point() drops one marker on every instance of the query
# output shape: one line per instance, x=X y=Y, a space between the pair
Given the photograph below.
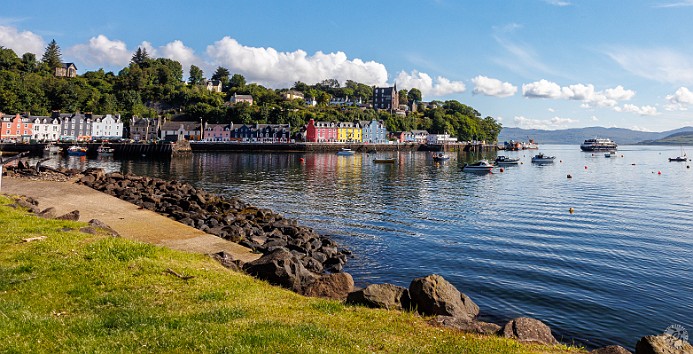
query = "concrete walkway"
x=127 y=219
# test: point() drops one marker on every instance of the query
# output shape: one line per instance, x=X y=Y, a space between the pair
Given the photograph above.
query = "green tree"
x=8 y=59
x=222 y=74
x=140 y=57
x=52 y=56
x=196 y=77
x=414 y=95
x=403 y=96
x=237 y=81
x=29 y=63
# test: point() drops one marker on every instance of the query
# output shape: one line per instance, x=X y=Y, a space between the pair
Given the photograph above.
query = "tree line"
x=155 y=87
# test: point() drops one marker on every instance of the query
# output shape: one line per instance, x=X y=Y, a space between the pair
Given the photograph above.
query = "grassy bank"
x=77 y=292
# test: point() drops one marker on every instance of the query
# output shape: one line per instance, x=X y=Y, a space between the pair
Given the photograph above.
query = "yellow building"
x=349 y=132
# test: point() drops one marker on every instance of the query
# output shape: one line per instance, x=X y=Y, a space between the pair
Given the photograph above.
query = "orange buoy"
x=502 y=170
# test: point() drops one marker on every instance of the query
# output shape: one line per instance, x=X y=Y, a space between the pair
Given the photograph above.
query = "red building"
x=16 y=128
x=321 y=132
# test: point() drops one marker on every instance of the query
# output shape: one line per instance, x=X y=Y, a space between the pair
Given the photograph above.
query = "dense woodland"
x=155 y=87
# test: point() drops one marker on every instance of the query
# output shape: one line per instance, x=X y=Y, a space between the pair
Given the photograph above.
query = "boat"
x=541 y=158
x=610 y=154
x=681 y=158
x=52 y=149
x=598 y=144
x=531 y=145
x=345 y=152
x=76 y=150
x=389 y=160
x=105 y=150
x=441 y=156
x=479 y=166
x=504 y=160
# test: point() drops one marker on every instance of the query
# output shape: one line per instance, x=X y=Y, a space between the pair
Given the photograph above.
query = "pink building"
x=217 y=132
x=321 y=132
x=16 y=128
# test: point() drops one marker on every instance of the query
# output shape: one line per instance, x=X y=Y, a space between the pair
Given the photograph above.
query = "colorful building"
x=16 y=128
x=349 y=132
x=217 y=132
x=46 y=128
x=321 y=132
x=107 y=127
x=374 y=132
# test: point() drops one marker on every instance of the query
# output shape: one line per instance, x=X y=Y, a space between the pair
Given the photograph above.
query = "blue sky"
x=548 y=64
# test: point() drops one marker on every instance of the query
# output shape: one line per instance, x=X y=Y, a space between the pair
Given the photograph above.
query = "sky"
x=545 y=64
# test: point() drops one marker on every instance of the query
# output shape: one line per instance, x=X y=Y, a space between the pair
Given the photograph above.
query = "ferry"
x=598 y=144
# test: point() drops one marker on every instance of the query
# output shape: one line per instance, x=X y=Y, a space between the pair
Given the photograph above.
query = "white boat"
x=598 y=144
x=681 y=158
x=504 y=160
x=105 y=150
x=441 y=156
x=479 y=166
x=610 y=154
x=345 y=152
x=52 y=149
x=541 y=158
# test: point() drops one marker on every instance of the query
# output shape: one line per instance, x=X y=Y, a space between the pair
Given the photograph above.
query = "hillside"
x=681 y=138
x=577 y=136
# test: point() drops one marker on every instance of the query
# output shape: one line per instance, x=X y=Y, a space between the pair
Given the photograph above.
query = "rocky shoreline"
x=297 y=258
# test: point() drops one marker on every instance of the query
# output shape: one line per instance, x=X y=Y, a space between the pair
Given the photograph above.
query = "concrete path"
x=127 y=219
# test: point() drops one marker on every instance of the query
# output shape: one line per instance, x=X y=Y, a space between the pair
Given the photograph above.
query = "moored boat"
x=389 y=160
x=598 y=144
x=105 y=150
x=541 y=158
x=76 y=150
x=680 y=158
x=345 y=152
x=479 y=166
x=504 y=160
x=441 y=156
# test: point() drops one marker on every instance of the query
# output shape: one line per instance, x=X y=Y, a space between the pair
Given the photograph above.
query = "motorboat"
x=105 y=150
x=598 y=144
x=388 y=160
x=441 y=156
x=541 y=158
x=479 y=166
x=610 y=154
x=345 y=152
x=504 y=160
x=76 y=150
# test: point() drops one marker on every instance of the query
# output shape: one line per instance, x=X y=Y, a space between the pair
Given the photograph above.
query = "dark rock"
x=433 y=295
x=101 y=225
x=281 y=268
x=87 y=179
x=611 y=349
x=88 y=230
x=312 y=264
x=464 y=325
x=228 y=261
x=662 y=344
x=526 y=329
x=71 y=216
x=332 y=286
x=385 y=296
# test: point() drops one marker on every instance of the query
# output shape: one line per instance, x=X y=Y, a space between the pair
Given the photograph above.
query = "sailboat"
x=681 y=158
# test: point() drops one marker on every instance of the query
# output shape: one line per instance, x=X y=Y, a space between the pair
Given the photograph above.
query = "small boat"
x=390 y=160
x=105 y=150
x=479 y=166
x=681 y=158
x=504 y=160
x=345 y=152
x=610 y=154
x=441 y=156
x=541 y=158
x=52 y=149
x=76 y=150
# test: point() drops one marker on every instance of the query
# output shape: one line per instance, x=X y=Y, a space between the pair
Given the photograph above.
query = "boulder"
x=433 y=295
x=281 y=268
x=101 y=225
x=465 y=325
x=662 y=344
x=48 y=213
x=228 y=261
x=385 y=296
x=526 y=329
x=333 y=286
x=611 y=349
x=71 y=216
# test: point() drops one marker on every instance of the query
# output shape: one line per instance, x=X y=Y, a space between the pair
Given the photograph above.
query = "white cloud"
x=560 y=3
x=579 y=92
x=642 y=110
x=101 y=51
x=21 y=41
x=618 y=93
x=546 y=124
x=658 y=64
x=541 y=89
x=595 y=119
x=177 y=51
x=429 y=87
x=493 y=87
x=282 y=69
x=683 y=3
x=680 y=100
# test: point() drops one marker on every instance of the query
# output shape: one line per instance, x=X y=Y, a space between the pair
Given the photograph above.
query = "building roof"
x=187 y=125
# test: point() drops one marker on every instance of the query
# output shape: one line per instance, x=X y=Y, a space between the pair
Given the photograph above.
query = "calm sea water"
x=618 y=268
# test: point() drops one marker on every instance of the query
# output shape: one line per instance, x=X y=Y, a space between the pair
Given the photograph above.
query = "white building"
x=440 y=139
x=46 y=128
x=107 y=127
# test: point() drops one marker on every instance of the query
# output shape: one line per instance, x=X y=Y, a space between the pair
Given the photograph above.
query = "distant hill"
x=680 y=138
x=577 y=136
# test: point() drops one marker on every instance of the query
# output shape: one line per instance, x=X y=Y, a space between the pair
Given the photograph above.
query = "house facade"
x=241 y=98
x=180 y=130
x=76 y=127
x=349 y=132
x=46 y=128
x=144 y=128
x=385 y=98
x=107 y=127
x=321 y=132
x=66 y=70
x=292 y=95
x=214 y=85
x=217 y=132
x=262 y=133
x=374 y=132
x=16 y=128
x=437 y=139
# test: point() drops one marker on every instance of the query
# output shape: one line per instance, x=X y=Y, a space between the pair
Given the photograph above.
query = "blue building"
x=374 y=132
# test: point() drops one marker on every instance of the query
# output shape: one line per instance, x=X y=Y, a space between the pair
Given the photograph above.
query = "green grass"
x=76 y=292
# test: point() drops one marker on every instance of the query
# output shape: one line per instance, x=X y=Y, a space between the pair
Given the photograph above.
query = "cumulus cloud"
x=428 y=86
x=680 y=100
x=658 y=64
x=177 y=51
x=541 y=89
x=641 y=110
x=578 y=92
x=545 y=124
x=21 y=41
x=101 y=51
x=493 y=87
x=271 y=67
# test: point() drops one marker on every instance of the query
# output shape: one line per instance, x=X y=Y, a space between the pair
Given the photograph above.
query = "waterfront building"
x=214 y=85
x=66 y=70
x=349 y=132
x=106 y=127
x=439 y=139
x=321 y=132
x=46 y=128
x=144 y=128
x=180 y=130
x=262 y=133
x=373 y=132
x=241 y=98
x=76 y=126
x=16 y=128
x=419 y=136
x=217 y=132
x=385 y=98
